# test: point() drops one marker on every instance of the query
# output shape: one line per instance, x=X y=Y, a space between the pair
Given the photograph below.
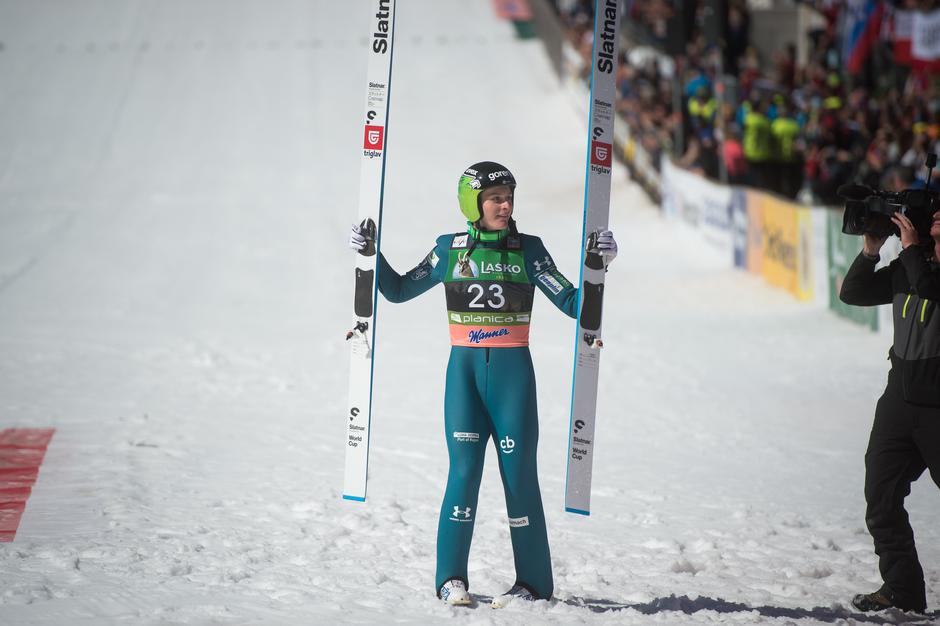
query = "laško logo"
x=601 y=153
x=374 y=137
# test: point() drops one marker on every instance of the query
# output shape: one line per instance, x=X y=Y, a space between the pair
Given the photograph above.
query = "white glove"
x=607 y=246
x=357 y=240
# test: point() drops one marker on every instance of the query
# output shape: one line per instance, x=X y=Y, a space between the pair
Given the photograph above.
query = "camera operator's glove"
x=357 y=241
x=607 y=246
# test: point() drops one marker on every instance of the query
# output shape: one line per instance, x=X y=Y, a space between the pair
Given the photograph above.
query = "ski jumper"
x=490 y=386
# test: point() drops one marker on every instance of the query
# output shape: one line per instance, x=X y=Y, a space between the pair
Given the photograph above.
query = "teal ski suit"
x=489 y=280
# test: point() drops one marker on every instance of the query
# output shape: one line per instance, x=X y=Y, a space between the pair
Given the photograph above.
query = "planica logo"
x=380 y=38
x=490 y=319
x=607 y=45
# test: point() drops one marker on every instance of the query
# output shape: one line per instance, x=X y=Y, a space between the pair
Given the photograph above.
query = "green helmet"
x=474 y=180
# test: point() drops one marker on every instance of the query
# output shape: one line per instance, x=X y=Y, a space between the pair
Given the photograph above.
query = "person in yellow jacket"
x=758 y=144
x=702 y=109
x=787 y=157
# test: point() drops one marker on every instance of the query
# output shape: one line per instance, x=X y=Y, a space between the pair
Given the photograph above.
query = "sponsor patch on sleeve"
x=425 y=267
x=460 y=241
x=422 y=271
x=553 y=284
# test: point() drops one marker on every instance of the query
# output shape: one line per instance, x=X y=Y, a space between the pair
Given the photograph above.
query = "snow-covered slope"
x=177 y=179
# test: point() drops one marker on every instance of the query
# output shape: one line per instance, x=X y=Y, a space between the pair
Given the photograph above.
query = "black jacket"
x=912 y=284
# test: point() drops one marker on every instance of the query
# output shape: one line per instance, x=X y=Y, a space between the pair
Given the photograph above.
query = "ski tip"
x=578 y=511
x=353 y=498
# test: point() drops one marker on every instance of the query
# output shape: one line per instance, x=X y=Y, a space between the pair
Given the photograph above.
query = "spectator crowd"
x=765 y=120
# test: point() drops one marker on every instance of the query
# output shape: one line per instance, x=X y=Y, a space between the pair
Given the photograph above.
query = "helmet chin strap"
x=477 y=235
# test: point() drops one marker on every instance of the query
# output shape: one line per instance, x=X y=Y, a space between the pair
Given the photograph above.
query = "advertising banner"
x=700 y=203
x=670 y=193
x=755 y=232
x=819 y=251
x=739 y=226
x=805 y=287
x=842 y=252
x=781 y=242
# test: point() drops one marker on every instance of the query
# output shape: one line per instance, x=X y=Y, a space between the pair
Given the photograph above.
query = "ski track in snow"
x=175 y=306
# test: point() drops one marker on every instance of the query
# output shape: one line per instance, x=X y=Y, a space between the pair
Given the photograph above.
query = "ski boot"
x=454 y=592
x=519 y=591
x=881 y=600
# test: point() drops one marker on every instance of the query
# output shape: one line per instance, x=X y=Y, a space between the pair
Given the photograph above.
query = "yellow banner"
x=805 y=284
x=780 y=243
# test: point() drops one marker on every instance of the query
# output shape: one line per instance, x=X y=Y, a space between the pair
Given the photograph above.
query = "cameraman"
x=905 y=436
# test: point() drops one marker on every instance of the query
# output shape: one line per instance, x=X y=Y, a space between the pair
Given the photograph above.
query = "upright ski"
x=361 y=337
x=596 y=210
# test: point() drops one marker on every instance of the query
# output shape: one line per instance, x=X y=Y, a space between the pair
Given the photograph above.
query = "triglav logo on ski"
x=601 y=157
x=380 y=37
x=373 y=141
x=608 y=44
x=461 y=515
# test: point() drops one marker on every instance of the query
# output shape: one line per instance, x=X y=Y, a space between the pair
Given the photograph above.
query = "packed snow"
x=177 y=181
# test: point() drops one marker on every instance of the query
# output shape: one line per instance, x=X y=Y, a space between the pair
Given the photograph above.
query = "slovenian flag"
x=860 y=30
